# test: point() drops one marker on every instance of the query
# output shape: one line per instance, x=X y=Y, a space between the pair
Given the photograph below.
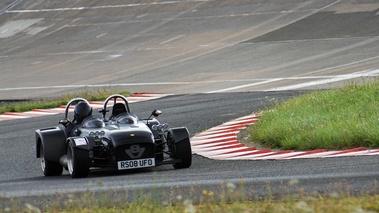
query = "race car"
x=121 y=141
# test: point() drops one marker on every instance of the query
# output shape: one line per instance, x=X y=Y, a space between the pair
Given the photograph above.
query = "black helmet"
x=81 y=111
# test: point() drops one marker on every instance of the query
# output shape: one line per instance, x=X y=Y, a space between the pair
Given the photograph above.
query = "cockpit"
x=125 y=118
x=93 y=123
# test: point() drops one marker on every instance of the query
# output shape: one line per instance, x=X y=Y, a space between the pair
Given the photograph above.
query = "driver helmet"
x=81 y=111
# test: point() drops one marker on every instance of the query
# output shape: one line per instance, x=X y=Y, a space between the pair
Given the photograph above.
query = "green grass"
x=232 y=199
x=90 y=95
x=334 y=119
x=334 y=205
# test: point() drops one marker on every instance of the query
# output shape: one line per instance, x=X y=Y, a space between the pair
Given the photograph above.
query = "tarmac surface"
x=221 y=59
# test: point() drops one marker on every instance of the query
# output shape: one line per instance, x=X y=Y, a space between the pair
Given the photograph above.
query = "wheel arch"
x=53 y=141
x=182 y=147
x=179 y=133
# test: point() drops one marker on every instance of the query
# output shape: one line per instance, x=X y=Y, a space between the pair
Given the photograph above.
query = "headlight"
x=97 y=134
x=160 y=127
x=154 y=127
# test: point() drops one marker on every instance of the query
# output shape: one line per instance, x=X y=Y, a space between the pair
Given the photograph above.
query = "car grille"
x=135 y=151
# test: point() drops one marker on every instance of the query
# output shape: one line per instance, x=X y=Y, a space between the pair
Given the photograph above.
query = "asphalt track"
x=23 y=178
x=222 y=59
x=181 y=47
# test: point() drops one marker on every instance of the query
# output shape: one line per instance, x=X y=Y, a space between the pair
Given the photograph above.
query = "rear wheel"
x=49 y=168
x=77 y=161
x=183 y=152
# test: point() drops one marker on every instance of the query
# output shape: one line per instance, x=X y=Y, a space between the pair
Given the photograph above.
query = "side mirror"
x=64 y=122
x=156 y=113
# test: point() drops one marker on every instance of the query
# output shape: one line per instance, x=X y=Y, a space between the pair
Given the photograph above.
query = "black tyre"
x=77 y=161
x=160 y=149
x=183 y=152
x=49 y=168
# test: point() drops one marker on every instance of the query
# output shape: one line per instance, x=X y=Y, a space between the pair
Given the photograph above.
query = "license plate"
x=135 y=164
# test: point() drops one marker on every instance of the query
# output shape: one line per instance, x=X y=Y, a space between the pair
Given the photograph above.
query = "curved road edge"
x=221 y=143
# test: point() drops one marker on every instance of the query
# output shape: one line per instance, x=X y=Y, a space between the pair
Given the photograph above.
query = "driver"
x=82 y=111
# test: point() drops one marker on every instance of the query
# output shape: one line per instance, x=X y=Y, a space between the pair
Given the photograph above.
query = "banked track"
x=219 y=142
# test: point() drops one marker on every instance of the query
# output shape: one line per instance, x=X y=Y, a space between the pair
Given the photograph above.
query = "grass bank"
x=334 y=119
x=90 y=95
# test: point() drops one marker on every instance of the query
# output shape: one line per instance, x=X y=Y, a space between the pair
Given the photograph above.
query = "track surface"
x=203 y=48
x=23 y=176
x=181 y=47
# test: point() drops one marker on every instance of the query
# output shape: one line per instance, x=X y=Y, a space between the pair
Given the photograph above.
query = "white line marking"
x=101 y=35
x=11 y=28
x=365 y=73
x=246 y=85
x=342 y=65
x=104 y=7
x=99 y=85
x=172 y=39
x=13 y=116
x=258 y=81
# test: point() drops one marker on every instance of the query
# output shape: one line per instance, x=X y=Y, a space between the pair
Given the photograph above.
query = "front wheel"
x=183 y=153
x=77 y=161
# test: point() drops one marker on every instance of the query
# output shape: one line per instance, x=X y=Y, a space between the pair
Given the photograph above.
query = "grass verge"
x=90 y=95
x=233 y=198
x=333 y=119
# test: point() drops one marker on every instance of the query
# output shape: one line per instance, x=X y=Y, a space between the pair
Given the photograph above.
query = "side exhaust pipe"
x=63 y=161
